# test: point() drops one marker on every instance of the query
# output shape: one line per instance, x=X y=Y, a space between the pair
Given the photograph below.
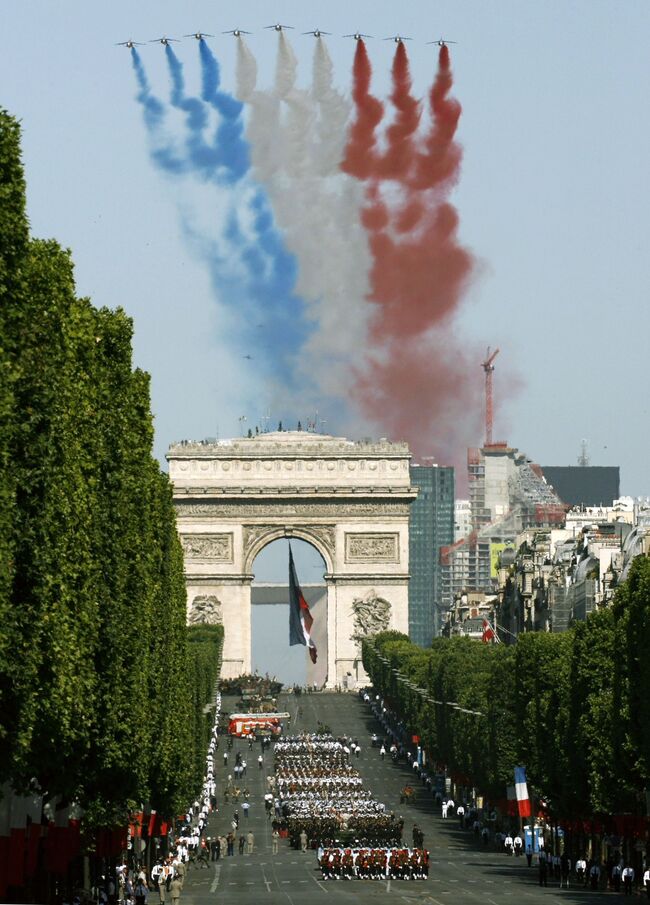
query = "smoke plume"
x=417 y=384
x=298 y=138
x=252 y=271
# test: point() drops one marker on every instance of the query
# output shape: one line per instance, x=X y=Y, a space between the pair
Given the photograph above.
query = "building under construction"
x=508 y=493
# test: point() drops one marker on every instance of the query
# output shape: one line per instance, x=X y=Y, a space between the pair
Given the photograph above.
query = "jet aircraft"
x=163 y=40
x=237 y=32
x=442 y=42
x=398 y=39
x=199 y=35
x=317 y=32
x=249 y=357
x=278 y=27
x=357 y=36
x=129 y=44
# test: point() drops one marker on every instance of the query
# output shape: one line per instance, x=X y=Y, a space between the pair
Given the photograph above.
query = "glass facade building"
x=431 y=526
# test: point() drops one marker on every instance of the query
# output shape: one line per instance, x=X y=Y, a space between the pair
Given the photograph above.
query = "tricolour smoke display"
x=334 y=236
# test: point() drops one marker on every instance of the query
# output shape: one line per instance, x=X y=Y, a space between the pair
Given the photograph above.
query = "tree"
x=99 y=690
x=631 y=704
x=13 y=250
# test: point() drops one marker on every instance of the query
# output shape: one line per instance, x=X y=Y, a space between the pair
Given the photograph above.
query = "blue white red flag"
x=300 y=618
x=521 y=788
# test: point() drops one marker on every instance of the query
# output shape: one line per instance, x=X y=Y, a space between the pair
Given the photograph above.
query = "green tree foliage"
x=204 y=663
x=540 y=677
x=101 y=695
x=631 y=698
x=13 y=251
x=572 y=707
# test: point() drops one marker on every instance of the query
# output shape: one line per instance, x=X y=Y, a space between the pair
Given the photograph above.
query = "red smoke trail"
x=417 y=280
x=416 y=383
x=398 y=157
x=421 y=389
x=360 y=151
x=440 y=162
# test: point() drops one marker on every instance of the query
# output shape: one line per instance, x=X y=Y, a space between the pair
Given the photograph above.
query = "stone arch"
x=256 y=538
x=350 y=500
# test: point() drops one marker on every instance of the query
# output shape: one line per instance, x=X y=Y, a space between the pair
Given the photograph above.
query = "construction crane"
x=488 y=367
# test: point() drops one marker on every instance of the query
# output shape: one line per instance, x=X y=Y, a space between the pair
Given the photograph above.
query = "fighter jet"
x=317 y=32
x=398 y=39
x=278 y=27
x=237 y=32
x=442 y=42
x=129 y=44
x=163 y=40
x=357 y=36
x=249 y=357
x=199 y=35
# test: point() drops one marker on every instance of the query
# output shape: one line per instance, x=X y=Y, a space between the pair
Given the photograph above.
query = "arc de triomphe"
x=348 y=499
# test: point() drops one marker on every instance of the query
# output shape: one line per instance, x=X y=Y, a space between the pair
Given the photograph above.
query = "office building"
x=584 y=485
x=431 y=526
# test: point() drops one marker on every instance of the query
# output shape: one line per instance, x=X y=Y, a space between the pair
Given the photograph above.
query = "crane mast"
x=488 y=367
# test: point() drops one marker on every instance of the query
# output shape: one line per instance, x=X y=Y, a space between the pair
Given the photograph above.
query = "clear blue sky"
x=554 y=196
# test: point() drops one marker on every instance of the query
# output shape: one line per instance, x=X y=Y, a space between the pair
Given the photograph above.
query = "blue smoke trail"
x=272 y=274
x=251 y=269
x=230 y=134
x=197 y=118
x=204 y=157
x=154 y=115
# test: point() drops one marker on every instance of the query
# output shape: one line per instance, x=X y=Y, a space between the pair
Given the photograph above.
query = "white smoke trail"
x=246 y=72
x=262 y=127
x=297 y=139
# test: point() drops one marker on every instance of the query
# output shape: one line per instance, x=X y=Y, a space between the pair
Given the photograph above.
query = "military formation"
x=374 y=863
x=321 y=803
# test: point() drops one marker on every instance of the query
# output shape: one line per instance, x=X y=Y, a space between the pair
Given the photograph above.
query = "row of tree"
x=574 y=708
x=97 y=696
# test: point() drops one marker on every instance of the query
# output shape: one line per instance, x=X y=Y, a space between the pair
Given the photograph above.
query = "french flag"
x=300 y=619
x=521 y=788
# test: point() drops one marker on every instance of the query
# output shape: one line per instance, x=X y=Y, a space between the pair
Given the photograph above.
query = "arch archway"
x=320 y=538
x=270 y=649
x=350 y=500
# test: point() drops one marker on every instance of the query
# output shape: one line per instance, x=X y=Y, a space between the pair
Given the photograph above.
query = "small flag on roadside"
x=300 y=619
x=521 y=787
x=488 y=633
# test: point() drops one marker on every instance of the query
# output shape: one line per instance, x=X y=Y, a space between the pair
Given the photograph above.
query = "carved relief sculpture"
x=206 y=610
x=214 y=547
x=372 y=547
x=371 y=615
x=242 y=509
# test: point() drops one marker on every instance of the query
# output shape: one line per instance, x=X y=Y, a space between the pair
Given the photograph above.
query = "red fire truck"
x=244 y=724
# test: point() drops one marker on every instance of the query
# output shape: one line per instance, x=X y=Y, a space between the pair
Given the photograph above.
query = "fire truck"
x=245 y=724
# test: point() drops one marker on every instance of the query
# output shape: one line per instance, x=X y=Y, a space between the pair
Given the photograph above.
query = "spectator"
x=628 y=880
x=565 y=869
x=141 y=893
x=594 y=876
x=175 y=888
